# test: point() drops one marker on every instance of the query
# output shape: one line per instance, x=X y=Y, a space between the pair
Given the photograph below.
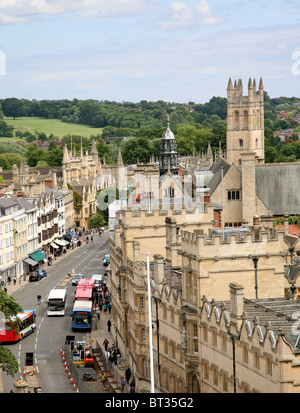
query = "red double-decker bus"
x=84 y=294
x=18 y=327
x=86 y=283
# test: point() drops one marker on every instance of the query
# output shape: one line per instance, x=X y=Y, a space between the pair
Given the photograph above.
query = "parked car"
x=106 y=260
x=76 y=279
x=35 y=276
x=42 y=272
x=98 y=281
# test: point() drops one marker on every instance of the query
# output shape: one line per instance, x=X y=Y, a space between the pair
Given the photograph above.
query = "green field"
x=48 y=126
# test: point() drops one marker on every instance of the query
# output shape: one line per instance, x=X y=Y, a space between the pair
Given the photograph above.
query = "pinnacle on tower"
x=66 y=157
x=94 y=148
x=240 y=87
x=120 y=159
x=229 y=86
x=209 y=153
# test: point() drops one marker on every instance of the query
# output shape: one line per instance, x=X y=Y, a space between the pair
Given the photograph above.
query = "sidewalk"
x=114 y=372
x=20 y=283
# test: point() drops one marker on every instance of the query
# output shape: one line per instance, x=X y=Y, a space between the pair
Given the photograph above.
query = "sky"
x=133 y=50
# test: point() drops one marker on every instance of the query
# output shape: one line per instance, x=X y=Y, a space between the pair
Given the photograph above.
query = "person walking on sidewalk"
x=132 y=386
x=105 y=343
x=123 y=382
x=108 y=325
x=128 y=375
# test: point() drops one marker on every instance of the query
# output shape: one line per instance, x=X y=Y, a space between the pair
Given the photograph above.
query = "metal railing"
x=111 y=371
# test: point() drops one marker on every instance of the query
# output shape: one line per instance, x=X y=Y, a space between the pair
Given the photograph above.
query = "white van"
x=98 y=281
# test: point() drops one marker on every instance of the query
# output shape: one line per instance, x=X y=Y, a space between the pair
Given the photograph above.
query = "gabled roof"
x=26 y=205
x=217 y=171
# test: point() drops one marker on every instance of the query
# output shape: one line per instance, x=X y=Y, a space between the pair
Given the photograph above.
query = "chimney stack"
x=236 y=300
x=158 y=268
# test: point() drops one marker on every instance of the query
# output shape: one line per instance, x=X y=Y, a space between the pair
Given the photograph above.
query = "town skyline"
x=132 y=50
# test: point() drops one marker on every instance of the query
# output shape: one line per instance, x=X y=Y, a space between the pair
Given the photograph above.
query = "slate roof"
x=216 y=170
x=280 y=313
x=278 y=186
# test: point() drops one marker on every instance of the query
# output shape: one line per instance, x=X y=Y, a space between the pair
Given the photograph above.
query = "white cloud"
x=181 y=15
x=16 y=11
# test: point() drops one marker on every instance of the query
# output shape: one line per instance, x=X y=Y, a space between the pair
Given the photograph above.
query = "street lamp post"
x=233 y=338
x=255 y=260
x=157 y=300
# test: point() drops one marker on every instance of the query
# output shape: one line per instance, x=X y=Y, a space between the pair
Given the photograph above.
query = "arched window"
x=245 y=120
x=241 y=143
x=236 y=120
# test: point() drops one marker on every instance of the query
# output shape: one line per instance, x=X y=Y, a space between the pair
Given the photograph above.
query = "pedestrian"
x=5 y=288
x=8 y=280
x=118 y=357
x=128 y=375
x=15 y=280
x=132 y=386
x=109 y=307
x=123 y=382
x=105 y=343
x=105 y=308
x=98 y=312
x=108 y=325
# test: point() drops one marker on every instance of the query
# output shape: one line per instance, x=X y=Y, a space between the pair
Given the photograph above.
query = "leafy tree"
x=41 y=164
x=12 y=148
x=5 y=129
x=270 y=154
x=12 y=107
x=137 y=148
x=90 y=113
x=54 y=157
x=4 y=163
x=97 y=220
x=104 y=151
x=34 y=154
x=9 y=307
x=13 y=159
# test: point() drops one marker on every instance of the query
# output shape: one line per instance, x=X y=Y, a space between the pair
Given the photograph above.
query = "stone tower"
x=245 y=121
x=168 y=153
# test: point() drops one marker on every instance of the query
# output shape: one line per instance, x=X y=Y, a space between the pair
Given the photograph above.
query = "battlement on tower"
x=245 y=237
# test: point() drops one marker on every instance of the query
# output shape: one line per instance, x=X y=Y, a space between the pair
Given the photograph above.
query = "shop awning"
x=37 y=256
x=30 y=262
x=54 y=245
x=61 y=242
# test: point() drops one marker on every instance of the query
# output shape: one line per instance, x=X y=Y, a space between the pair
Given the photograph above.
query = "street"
x=51 y=332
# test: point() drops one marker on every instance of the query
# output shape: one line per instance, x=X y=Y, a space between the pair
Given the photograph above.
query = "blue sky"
x=129 y=50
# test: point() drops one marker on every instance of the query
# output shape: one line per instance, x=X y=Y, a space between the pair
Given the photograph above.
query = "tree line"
x=136 y=128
